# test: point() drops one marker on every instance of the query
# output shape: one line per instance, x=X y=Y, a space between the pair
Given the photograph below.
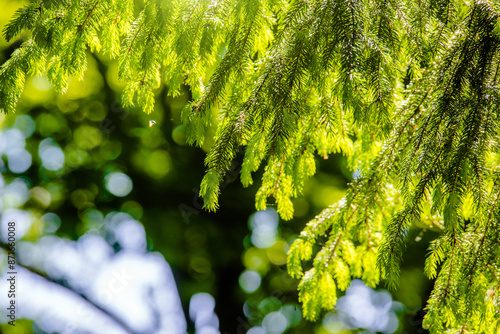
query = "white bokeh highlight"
x=51 y=155
x=363 y=307
x=202 y=314
x=264 y=225
x=118 y=184
x=132 y=285
x=249 y=280
x=19 y=160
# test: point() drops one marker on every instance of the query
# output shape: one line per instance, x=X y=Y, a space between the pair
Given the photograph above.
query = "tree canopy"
x=407 y=90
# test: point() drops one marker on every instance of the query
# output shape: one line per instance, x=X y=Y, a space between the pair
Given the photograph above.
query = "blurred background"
x=111 y=237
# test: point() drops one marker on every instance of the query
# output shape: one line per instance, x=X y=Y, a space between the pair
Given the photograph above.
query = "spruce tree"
x=407 y=90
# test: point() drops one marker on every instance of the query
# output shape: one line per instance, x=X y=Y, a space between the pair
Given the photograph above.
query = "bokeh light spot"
x=23 y=220
x=52 y=157
x=48 y=124
x=256 y=259
x=249 y=280
x=200 y=302
x=269 y=304
x=51 y=222
x=110 y=150
x=200 y=264
x=264 y=225
x=256 y=330
x=75 y=156
x=363 y=307
x=93 y=218
x=19 y=160
x=87 y=137
x=81 y=198
x=158 y=164
x=11 y=140
x=96 y=111
x=41 y=196
x=332 y=324
x=133 y=208
x=25 y=124
x=41 y=83
x=277 y=253
x=292 y=313
x=118 y=184
x=15 y=194
x=179 y=135
x=275 y=323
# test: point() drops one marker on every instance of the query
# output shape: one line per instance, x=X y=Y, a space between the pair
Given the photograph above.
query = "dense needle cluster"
x=407 y=90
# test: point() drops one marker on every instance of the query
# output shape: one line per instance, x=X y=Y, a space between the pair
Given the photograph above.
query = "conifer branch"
x=407 y=91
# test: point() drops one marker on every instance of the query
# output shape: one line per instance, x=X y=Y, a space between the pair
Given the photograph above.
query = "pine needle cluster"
x=407 y=90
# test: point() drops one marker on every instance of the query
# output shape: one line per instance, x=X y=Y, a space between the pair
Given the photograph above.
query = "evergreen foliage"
x=407 y=90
